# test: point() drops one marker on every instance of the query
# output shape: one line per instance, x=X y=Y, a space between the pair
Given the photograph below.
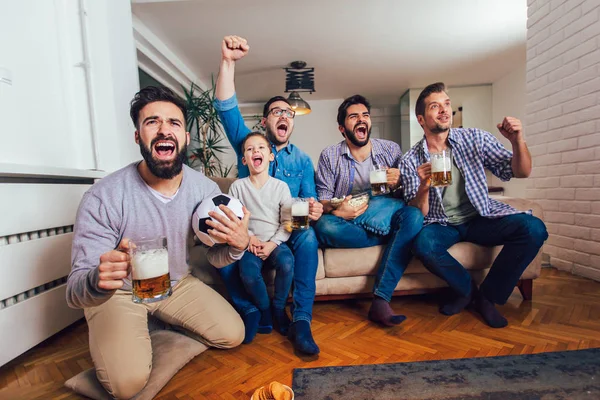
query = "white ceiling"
x=378 y=48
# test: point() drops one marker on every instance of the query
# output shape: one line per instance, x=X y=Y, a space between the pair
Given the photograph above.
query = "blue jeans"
x=406 y=223
x=282 y=260
x=305 y=247
x=230 y=275
x=521 y=234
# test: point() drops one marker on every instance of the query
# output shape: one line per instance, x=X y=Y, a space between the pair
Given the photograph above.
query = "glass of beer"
x=299 y=213
x=441 y=168
x=379 y=185
x=150 y=270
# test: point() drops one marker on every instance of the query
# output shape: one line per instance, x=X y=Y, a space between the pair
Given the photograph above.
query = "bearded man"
x=295 y=168
x=151 y=198
x=343 y=172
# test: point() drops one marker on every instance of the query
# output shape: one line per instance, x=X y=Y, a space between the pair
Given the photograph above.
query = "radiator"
x=36 y=230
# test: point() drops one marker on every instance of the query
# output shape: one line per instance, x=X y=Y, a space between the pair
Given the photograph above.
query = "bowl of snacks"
x=273 y=391
x=357 y=200
x=336 y=201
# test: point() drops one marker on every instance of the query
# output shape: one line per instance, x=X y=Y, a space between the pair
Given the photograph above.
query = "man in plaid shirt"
x=463 y=211
x=343 y=172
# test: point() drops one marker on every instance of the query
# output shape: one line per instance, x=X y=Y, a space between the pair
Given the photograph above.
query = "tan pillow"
x=170 y=352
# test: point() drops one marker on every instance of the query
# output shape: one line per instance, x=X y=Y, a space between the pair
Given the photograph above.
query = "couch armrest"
x=534 y=269
x=522 y=205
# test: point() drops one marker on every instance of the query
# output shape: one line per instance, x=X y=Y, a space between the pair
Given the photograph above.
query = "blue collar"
x=289 y=147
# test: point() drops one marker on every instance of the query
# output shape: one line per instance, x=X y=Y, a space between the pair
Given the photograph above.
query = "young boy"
x=265 y=198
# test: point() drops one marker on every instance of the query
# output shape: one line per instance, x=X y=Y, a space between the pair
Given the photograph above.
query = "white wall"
x=46 y=120
x=319 y=129
x=563 y=128
x=508 y=99
x=115 y=80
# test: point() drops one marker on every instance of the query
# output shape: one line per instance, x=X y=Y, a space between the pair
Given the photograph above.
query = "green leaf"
x=206 y=130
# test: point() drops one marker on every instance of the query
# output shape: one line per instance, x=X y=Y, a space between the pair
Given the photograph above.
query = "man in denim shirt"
x=343 y=171
x=292 y=166
x=463 y=211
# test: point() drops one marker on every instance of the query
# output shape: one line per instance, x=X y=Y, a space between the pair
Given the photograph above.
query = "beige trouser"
x=120 y=341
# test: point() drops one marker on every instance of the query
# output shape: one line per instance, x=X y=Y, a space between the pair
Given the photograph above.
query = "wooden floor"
x=564 y=315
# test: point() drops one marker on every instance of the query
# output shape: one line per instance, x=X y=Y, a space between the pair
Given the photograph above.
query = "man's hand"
x=230 y=228
x=348 y=212
x=424 y=172
x=511 y=129
x=234 y=48
x=315 y=209
x=265 y=250
x=114 y=266
x=393 y=177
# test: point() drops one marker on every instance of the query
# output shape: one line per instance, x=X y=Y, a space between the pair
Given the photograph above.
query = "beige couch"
x=350 y=272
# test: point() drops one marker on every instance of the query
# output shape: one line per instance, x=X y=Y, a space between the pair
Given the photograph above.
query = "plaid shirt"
x=335 y=172
x=473 y=151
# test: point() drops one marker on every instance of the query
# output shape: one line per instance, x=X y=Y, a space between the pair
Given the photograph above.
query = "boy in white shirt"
x=265 y=197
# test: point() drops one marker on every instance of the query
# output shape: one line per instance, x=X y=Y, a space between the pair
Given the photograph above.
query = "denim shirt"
x=474 y=151
x=291 y=165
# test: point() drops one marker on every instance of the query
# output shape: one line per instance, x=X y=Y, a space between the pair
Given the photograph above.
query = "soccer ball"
x=200 y=216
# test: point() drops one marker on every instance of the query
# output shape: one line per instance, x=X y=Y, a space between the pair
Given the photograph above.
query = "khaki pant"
x=120 y=341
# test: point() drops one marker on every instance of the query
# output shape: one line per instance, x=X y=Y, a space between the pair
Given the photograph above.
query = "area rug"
x=571 y=375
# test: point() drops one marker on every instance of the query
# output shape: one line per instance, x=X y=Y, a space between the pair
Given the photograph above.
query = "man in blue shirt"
x=295 y=168
x=463 y=211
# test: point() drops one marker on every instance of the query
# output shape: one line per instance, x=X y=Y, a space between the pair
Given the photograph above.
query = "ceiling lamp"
x=299 y=78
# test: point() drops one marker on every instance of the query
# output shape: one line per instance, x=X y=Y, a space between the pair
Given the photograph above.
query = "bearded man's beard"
x=164 y=169
x=273 y=138
x=354 y=140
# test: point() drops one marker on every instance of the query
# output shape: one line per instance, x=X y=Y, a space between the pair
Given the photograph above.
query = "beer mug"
x=299 y=213
x=379 y=184
x=150 y=280
x=441 y=168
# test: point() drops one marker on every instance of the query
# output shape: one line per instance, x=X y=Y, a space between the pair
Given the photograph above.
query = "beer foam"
x=300 y=209
x=378 y=176
x=441 y=164
x=150 y=264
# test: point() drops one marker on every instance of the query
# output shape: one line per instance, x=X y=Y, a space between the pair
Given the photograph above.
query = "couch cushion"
x=208 y=274
x=357 y=262
x=364 y=284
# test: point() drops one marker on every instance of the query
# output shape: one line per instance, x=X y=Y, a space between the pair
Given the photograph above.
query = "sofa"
x=344 y=273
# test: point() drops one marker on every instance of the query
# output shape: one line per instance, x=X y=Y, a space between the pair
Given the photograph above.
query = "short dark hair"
x=437 y=87
x=151 y=94
x=350 y=101
x=252 y=134
x=271 y=101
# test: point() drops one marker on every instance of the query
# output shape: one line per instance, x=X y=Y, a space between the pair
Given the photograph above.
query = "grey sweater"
x=269 y=208
x=122 y=206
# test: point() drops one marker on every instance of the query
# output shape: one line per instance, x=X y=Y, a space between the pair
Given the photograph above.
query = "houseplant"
x=206 y=132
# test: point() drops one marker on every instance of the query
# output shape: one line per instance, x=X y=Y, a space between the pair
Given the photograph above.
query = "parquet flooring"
x=563 y=315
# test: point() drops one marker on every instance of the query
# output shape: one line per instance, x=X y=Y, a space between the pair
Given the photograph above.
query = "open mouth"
x=361 y=131
x=444 y=118
x=164 y=149
x=282 y=129
x=257 y=160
